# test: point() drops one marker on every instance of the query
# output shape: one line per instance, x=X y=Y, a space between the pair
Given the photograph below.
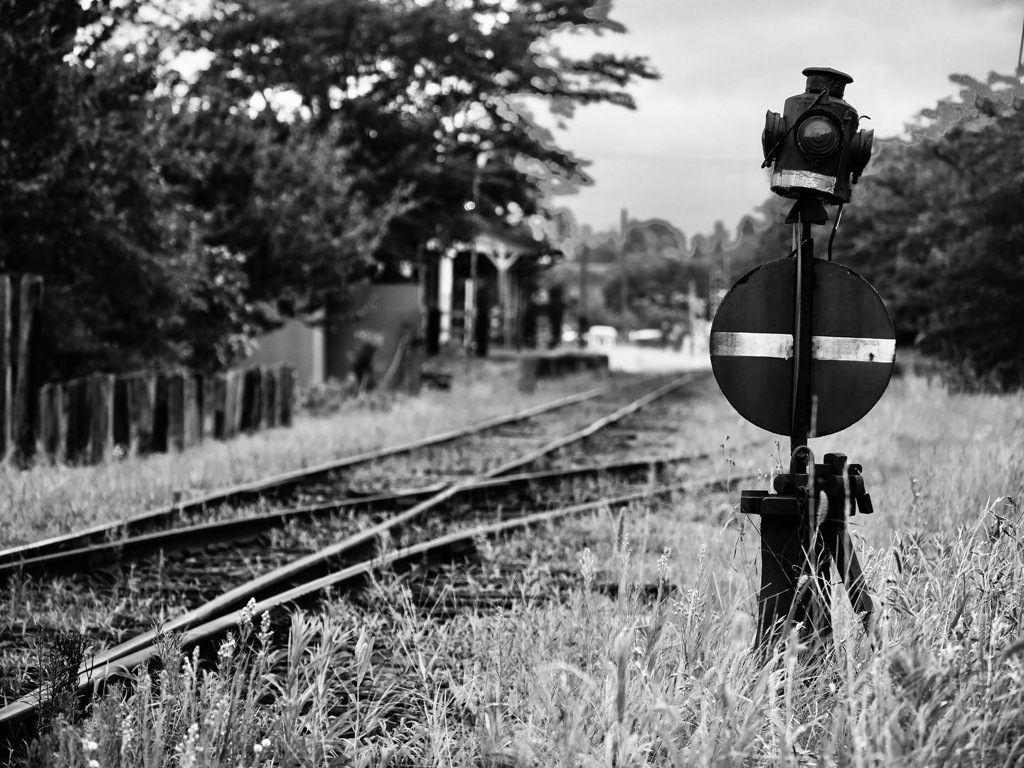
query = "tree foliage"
x=79 y=200
x=937 y=225
x=426 y=97
x=173 y=216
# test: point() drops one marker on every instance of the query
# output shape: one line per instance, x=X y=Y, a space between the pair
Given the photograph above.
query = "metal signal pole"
x=805 y=347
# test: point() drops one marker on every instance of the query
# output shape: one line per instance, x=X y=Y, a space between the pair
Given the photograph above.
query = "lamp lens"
x=818 y=137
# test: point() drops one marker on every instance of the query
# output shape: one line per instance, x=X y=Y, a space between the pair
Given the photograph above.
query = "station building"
x=475 y=299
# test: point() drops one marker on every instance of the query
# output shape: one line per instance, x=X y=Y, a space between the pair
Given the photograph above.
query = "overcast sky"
x=691 y=152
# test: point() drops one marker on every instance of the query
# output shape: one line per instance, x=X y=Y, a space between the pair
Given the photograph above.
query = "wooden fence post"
x=252 y=400
x=100 y=398
x=69 y=408
x=286 y=393
x=6 y=367
x=192 y=386
x=175 y=411
x=210 y=407
x=160 y=413
x=141 y=391
x=122 y=417
x=230 y=398
x=233 y=404
x=271 y=417
x=76 y=415
x=30 y=300
x=220 y=406
x=49 y=442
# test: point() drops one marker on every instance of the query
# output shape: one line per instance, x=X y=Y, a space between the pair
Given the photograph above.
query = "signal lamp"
x=815 y=144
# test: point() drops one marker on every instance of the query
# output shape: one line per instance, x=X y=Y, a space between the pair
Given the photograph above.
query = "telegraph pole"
x=623 y=287
x=581 y=309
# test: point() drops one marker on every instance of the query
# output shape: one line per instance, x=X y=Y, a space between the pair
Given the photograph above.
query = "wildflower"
x=245 y=615
x=264 y=634
x=126 y=742
x=187 y=749
x=94 y=763
x=90 y=745
x=624 y=548
x=588 y=565
x=663 y=564
x=227 y=648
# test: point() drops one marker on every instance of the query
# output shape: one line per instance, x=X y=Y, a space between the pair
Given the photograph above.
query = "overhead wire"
x=835 y=227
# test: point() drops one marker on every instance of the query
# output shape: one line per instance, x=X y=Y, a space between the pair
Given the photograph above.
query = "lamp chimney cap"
x=832 y=80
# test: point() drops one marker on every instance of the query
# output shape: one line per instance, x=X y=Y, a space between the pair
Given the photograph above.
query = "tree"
x=79 y=198
x=281 y=198
x=169 y=230
x=426 y=97
x=174 y=217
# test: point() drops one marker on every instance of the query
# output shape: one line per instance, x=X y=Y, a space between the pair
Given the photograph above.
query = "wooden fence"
x=20 y=299
x=86 y=420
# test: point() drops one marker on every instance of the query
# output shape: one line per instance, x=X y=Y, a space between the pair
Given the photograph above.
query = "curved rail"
x=249 y=491
x=244 y=529
x=314 y=572
x=130 y=656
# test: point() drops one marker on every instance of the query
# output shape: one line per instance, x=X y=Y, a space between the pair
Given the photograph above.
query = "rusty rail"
x=250 y=491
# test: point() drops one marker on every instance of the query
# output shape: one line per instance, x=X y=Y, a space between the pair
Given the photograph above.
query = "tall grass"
x=572 y=677
x=592 y=681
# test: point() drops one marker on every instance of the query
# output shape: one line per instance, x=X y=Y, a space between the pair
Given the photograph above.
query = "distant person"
x=362 y=366
x=677 y=336
x=482 y=331
x=529 y=324
x=556 y=310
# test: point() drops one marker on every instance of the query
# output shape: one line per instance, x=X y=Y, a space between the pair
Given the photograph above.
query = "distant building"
x=330 y=350
x=492 y=277
x=490 y=281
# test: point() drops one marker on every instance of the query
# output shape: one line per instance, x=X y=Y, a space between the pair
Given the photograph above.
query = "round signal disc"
x=853 y=346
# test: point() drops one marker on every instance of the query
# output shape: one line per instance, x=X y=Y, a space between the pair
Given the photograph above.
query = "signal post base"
x=799 y=540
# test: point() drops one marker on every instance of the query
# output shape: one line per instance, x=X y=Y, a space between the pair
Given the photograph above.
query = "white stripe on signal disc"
x=853 y=349
x=752 y=345
x=780 y=345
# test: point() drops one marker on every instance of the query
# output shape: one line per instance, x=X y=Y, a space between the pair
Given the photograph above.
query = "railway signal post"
x=804 y=347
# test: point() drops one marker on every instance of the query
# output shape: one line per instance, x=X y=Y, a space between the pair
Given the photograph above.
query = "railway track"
x=279 y=487
x=414 y=522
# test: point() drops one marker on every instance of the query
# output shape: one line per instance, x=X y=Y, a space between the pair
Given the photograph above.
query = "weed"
x=60 y=655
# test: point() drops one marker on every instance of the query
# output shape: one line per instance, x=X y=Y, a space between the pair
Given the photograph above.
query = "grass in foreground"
x=587 y=680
